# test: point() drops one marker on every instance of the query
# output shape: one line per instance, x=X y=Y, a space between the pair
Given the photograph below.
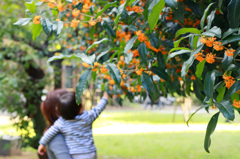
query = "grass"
x=153 y=117
x=171 y=145
x=168 y=146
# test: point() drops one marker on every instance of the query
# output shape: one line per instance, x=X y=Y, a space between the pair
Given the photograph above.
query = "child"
x=76 y=126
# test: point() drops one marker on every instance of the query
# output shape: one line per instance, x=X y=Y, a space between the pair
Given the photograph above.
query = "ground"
x=134 y=133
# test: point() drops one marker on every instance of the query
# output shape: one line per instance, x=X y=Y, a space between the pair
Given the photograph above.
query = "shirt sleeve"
x=97 y=110
x=50 y=133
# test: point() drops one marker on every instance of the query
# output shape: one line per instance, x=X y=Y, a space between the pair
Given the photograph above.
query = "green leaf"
x=227 y=60
x=82 y=85
x=129 y=44
x=204 y=106
x=199 y=69
x=46 y=25
x=205 y=15
x=209 y=82
x=103 y=53
x=210 y=129
x=88 y=59
x=161 y=73
x=106 y=7
x=179 y=48
x=109 y=29
x=226 y=108
x=161 y=61
x=31 y=6
x=221 y=91
x=190 y=61
x=96 y=43
x=176 y=43
x=214 y=31
x=22 y=21
x=187 y=30
x=114 y=72
x=57 y=27
x=233 y=13
x=178 y=13
x=128 y=57
x=142 y=48
x=198 y=89
x=233 y=89
x=177 y=53
x=230 y=39
x=155 y=13
x=36 y=30
x=120 y=10
x=210 y=19
x=150 y=86
x=229 y=32
x=172 y=3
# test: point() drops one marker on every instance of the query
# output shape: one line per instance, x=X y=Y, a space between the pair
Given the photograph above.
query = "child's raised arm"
x=97 y=110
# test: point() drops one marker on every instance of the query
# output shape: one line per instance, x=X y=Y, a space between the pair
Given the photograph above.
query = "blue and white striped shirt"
x=77 y=132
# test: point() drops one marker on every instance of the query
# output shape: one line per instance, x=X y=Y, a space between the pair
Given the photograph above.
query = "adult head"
x=49 y=106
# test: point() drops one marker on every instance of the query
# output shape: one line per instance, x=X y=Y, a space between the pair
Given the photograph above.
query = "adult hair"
x=49 y=106
x=68 y=108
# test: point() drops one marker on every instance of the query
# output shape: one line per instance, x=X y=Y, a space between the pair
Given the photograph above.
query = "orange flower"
x=199 y=57
x=217 y=45
x=137 y=9
x=193 y=77
x=229 y=52
x=36 y=20
x=236 y=103
x=135 y=53
x=229 y=80
x=103 y=69
x=85 y=8
x=96 y=64
x=112 y=82
x=169 y=17
x=139 y=72
x=74 y=23
x=210 y=41
x=60 y=6
x=75 y=12
x=141 y=36
x=210 y=58
x=51 y=3
x=74 y=2
x=85 y=64
x=122 y=83
x=138 y=88
x=132 y=89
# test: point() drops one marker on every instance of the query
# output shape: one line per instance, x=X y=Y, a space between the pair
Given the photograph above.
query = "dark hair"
x=68 y=107
x=48 y=107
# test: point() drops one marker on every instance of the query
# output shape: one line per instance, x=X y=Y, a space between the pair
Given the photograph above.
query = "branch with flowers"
x=160 y=47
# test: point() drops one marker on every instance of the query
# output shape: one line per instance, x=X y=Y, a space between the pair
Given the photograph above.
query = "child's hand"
x=41 y=149
x=105 y=95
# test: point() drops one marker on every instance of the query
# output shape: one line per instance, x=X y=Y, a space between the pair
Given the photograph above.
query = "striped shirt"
x=77 y=132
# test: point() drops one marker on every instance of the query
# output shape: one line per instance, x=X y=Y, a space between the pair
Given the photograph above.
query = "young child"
x=76 y=126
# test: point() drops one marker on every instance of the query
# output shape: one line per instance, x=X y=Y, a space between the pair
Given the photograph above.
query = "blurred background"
x=135 y=130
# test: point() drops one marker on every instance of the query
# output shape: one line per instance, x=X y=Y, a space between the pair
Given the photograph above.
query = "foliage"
x=157 y=46
x=22 y=75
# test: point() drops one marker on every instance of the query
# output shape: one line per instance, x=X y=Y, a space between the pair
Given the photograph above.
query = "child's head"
x=68 y=107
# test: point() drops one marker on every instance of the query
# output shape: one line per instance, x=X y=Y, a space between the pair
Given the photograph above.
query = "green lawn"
x=184 y=145
x=154 y=117
x=171 y=145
